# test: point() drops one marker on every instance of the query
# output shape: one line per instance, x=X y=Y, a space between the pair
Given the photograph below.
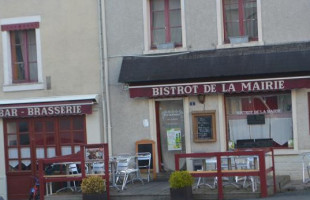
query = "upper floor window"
x=24 y=56
x=166 y=25
x=240 y=21
x=21 y=53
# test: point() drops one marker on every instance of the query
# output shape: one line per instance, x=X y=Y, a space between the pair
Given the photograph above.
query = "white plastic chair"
x=145 y=158
x=72 y=168
x=127 y=168
x=305 y=167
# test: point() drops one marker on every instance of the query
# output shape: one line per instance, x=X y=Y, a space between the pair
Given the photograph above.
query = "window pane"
x=64 y=124
x=233 y=29
x=12 y=140
x=13 y=165
x=23 y=126
x=40 y=153
x=38 y=126
x=157 y=5
x=65 y=138
x=13 y=153
x=174 y=4
x=175 y=18
x=51 y=152
x=39 y=139
x=25 y=152
x=24 y=139
x=176 y=35
x=78 y=137
x=33 y=71
x=66 y=150
x=78 y=123
x=159 y=36
x=50 y=126
x=26 y=165
x=250 y=18
x=50 y=139
x=158 y=20
x=11 y=127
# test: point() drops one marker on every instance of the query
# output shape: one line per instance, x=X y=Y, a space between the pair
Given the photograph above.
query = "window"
x=30 y=139
x=240 y=21
x=21 y=54
x=166 y=25
x=24 y=56
x=262 y=116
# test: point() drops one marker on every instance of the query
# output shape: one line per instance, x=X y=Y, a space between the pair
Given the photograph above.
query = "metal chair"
x=127 y=168
x=244 y=162
x=98 y=167
x=144 y=162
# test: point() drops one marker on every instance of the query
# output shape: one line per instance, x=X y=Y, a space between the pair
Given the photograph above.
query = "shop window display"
x=260 y=116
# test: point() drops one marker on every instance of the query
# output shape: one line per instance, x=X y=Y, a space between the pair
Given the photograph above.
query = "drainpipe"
x=104 y=73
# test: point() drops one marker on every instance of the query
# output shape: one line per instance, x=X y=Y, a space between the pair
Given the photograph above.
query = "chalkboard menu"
x=147 y=146
x=204 y=127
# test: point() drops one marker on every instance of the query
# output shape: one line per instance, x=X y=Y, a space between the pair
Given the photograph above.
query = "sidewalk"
x=294 y=190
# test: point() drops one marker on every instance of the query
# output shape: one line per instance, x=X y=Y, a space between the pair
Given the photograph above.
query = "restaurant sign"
x=219 y=87
x=10 y=111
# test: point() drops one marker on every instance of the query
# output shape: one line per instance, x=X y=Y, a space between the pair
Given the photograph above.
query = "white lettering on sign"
x=53 y=110
x=209 y=88
x=263 y=85
x=252 y=86
x=174 y=90
x=9 y=112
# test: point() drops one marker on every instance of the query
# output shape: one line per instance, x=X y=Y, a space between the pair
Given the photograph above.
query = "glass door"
x=170 y=133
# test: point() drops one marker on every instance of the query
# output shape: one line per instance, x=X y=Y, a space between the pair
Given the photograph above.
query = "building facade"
x=51 y=91
x=190 y=75
x=205 y=76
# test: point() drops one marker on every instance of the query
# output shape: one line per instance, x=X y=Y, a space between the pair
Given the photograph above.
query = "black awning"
x=246 y=62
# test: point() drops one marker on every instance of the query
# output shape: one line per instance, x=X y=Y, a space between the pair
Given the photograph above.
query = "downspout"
x=104 y=73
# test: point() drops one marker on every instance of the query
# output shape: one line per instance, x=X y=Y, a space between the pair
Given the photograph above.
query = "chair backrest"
x=73 y=168
x=243 y=162
x=98 y=167
x=144 y=159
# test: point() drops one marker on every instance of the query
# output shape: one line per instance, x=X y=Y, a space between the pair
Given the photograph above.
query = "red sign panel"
x=44 y=110
x=218 y=87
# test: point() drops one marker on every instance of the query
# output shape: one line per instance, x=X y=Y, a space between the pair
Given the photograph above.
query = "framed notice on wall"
x=204 y=129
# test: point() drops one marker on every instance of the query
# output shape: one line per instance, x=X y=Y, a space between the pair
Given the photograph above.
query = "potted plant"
x=94 y=188
x=181 y=185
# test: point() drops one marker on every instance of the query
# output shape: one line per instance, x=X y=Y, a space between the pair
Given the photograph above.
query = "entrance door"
x=19 y=158
x=170 y=132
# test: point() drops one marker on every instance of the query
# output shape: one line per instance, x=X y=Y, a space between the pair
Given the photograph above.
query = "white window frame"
x=220 y=27
x=8 y=85
x=147 y=30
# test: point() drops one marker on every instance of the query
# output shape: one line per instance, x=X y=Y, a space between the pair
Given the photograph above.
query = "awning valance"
x=47 y=106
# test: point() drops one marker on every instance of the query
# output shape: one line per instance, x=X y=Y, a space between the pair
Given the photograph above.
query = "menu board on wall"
x=204 y=127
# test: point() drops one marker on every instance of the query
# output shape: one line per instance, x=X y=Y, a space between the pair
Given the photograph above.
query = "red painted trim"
x=167 y=21
x=160 y=167
x=262 y=171
x=21 y=26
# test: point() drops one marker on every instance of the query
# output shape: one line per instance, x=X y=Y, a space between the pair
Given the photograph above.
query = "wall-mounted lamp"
x=201 y=98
